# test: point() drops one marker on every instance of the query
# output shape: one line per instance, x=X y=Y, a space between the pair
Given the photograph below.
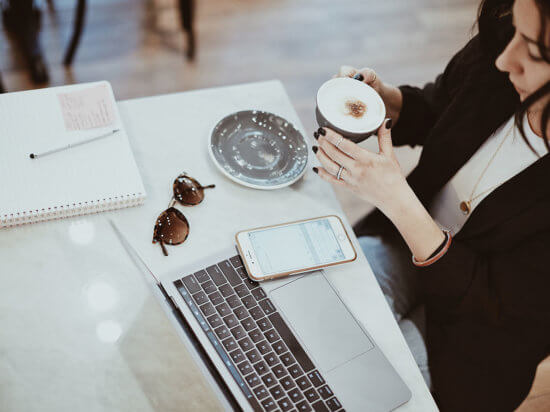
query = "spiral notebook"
x=92 y=177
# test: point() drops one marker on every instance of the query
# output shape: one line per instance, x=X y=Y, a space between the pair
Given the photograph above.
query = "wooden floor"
x=137 y=45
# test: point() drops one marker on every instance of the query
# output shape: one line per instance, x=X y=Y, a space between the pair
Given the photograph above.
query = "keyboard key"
x=248 y=301
x=333 y=404
x=287 y=383
x=215 y=321
x=267 y=306
x=240 y=312
x=233 y=301
x=222 y=332
x=223 y=309
x=226 y=290
x=319 y=406
x=229 y=344
x=261 y=367
x=242 y=273
x=295 y=370
x=279 y=347
x=216 y=298
x=208 y=309
x=303 y=406
x=237 y=356
x=216 y=275
x=277 y=392
x=209 y=287
x=316 y=378
x=200 y=298
x=264 y=324
x=202 y=276
x=236 y=261
x=295 y=395
x=238 y=332
x=269 y=380
x=269 y=404
x=232 y=276
x=251 y=284
x=311 y=395
x=263 y=347
x=285 y=404
x=292 y=344
x=231 y=321
x=246 y=344
x=271 y=359
x=248 y=324
x=245 y=368
x=287 y=359
x=256 y=312
x=253 y=355
x=271 y=335
x=258 y=293
x=303 y=383
x=255 y=335
x=279 y=371
x=191 y=284
x=260 y=392
x=241 y=290
x=325 y=392
x=252 y=379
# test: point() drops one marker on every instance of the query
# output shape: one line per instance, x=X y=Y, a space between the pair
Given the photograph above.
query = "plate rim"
x=242 y=182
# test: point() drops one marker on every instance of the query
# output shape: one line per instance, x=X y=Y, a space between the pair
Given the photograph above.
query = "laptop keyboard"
x=254 y=342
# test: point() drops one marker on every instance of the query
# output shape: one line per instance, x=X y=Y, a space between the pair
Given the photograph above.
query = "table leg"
x=187 y=8
x=80 y=14
x=22 y=21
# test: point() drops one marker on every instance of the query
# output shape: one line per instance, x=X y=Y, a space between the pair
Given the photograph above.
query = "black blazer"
x=488 y=298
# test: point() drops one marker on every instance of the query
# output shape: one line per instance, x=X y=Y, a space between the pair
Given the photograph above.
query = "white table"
x=80 y=328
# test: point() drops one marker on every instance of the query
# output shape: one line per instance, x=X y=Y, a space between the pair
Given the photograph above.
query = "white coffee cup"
x=350 y=108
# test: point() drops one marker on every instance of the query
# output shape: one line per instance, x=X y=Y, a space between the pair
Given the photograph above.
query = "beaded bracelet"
x=439 y=252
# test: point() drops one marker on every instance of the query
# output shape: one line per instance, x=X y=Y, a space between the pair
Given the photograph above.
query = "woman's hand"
x=391 y=95
x=374 y=177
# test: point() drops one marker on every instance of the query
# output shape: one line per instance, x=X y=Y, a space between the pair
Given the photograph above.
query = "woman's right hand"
x=391 y=95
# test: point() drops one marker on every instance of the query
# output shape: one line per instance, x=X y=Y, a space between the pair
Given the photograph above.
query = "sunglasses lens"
x=187 y=190
x=171 y=228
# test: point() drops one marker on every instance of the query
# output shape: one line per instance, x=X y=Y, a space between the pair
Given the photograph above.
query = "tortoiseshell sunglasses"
x=172 y=227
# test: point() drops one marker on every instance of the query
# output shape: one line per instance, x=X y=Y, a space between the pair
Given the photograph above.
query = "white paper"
x=89 y=108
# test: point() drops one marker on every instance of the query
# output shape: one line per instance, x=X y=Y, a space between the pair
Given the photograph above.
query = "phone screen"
x=295 y=247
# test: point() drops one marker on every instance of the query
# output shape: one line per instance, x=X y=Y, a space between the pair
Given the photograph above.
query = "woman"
x=474 y=214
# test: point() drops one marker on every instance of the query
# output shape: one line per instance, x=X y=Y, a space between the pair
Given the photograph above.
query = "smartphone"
x=289 y=248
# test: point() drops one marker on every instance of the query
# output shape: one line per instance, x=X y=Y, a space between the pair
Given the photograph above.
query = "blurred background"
x=148 y=47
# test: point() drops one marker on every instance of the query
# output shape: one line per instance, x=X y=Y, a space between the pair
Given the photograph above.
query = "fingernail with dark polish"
x=316 y=135
x=389 y=123
x=322 y=131
x=316 y=170
x=315 y=148
x=359 y=77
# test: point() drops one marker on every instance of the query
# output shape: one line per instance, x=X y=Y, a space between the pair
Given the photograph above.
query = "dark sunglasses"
x=172 y=227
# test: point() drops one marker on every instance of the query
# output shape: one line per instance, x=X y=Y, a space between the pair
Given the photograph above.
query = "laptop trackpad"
x=321 y=321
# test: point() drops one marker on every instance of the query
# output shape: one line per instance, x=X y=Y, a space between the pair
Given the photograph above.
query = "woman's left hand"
x=374 y=177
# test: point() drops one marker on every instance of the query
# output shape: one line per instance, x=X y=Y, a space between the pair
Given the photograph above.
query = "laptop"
x=284 y=345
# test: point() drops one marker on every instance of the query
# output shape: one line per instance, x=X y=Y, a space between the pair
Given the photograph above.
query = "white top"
x=513 y=157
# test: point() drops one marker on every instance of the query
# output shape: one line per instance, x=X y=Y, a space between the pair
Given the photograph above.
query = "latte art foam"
x=350 y=105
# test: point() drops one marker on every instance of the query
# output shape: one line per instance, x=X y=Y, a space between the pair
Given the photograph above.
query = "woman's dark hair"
x=495 y=31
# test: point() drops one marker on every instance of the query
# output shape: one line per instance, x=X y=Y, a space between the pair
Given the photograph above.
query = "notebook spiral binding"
x=70 y=210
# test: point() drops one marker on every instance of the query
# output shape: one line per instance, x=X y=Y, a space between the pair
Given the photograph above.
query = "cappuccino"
x=350 y=107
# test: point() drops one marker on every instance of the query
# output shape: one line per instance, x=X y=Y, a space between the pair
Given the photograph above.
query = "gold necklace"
x=466 y=205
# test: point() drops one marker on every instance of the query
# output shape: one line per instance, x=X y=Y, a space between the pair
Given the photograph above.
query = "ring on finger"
x=339 y=174
x=339 y=141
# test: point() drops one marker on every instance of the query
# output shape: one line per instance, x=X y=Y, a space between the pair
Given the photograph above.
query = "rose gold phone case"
x=280 y=275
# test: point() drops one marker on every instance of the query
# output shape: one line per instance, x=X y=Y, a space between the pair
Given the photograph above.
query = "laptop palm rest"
x=321 y=321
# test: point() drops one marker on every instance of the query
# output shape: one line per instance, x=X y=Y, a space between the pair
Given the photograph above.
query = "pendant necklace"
x=466 y=205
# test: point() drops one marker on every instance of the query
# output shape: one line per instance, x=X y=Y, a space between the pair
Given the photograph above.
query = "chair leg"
x=187 y=8
x=80 y=14
x=2 y=90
